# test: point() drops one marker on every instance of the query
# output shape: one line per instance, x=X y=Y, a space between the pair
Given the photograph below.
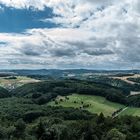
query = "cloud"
x=24 y=4
x=91 y=34
x=55 y=48
x=62 y=52
x=98 y=52
x=31 y=50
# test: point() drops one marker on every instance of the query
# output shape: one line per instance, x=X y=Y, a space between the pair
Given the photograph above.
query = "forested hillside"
x=27 y=115
x=43 y=92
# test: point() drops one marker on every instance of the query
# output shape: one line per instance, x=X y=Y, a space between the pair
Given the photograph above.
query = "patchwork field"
x=93 y=104
x=13 y=82
x=126 y=78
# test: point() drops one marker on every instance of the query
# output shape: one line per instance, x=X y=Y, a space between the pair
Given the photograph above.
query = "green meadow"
x=94 y=104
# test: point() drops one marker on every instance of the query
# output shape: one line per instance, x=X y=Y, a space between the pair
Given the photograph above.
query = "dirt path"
x=120 y=112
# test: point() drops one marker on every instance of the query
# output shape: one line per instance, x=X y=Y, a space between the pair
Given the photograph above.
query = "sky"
x=69 y=34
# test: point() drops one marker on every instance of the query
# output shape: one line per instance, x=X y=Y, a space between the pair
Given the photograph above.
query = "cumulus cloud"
x=20 y=4
x=91 y=34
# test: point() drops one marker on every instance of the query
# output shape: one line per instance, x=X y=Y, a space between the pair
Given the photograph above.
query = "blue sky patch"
x=18 y=20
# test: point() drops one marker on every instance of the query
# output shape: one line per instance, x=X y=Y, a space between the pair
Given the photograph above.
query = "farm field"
x=96 y=104
x=16 y=81
x=126 y=78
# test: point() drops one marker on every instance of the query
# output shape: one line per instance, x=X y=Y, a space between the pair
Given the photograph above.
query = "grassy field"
x=97 y=104
x=11 y=83
x=131 y=111
x=94 y=104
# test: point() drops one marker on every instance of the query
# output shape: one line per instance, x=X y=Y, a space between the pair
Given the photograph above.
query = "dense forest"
x=43 y=92
x=69 y=124
x=25 y=114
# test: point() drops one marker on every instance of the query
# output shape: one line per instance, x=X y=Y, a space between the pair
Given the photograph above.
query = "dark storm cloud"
x=130 y=49
x=31 y=50
x=93 y=47
x=3 y=43
x=99 y=52
x=62 y=52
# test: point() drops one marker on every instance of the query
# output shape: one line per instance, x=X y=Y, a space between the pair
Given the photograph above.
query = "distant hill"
x=61 y=73
x=7 y=73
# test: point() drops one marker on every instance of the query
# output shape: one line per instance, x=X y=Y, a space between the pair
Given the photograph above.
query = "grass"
x=96 y=104
x=131 y=111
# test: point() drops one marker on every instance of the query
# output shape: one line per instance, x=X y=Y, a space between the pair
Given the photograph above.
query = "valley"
x=65 y=104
